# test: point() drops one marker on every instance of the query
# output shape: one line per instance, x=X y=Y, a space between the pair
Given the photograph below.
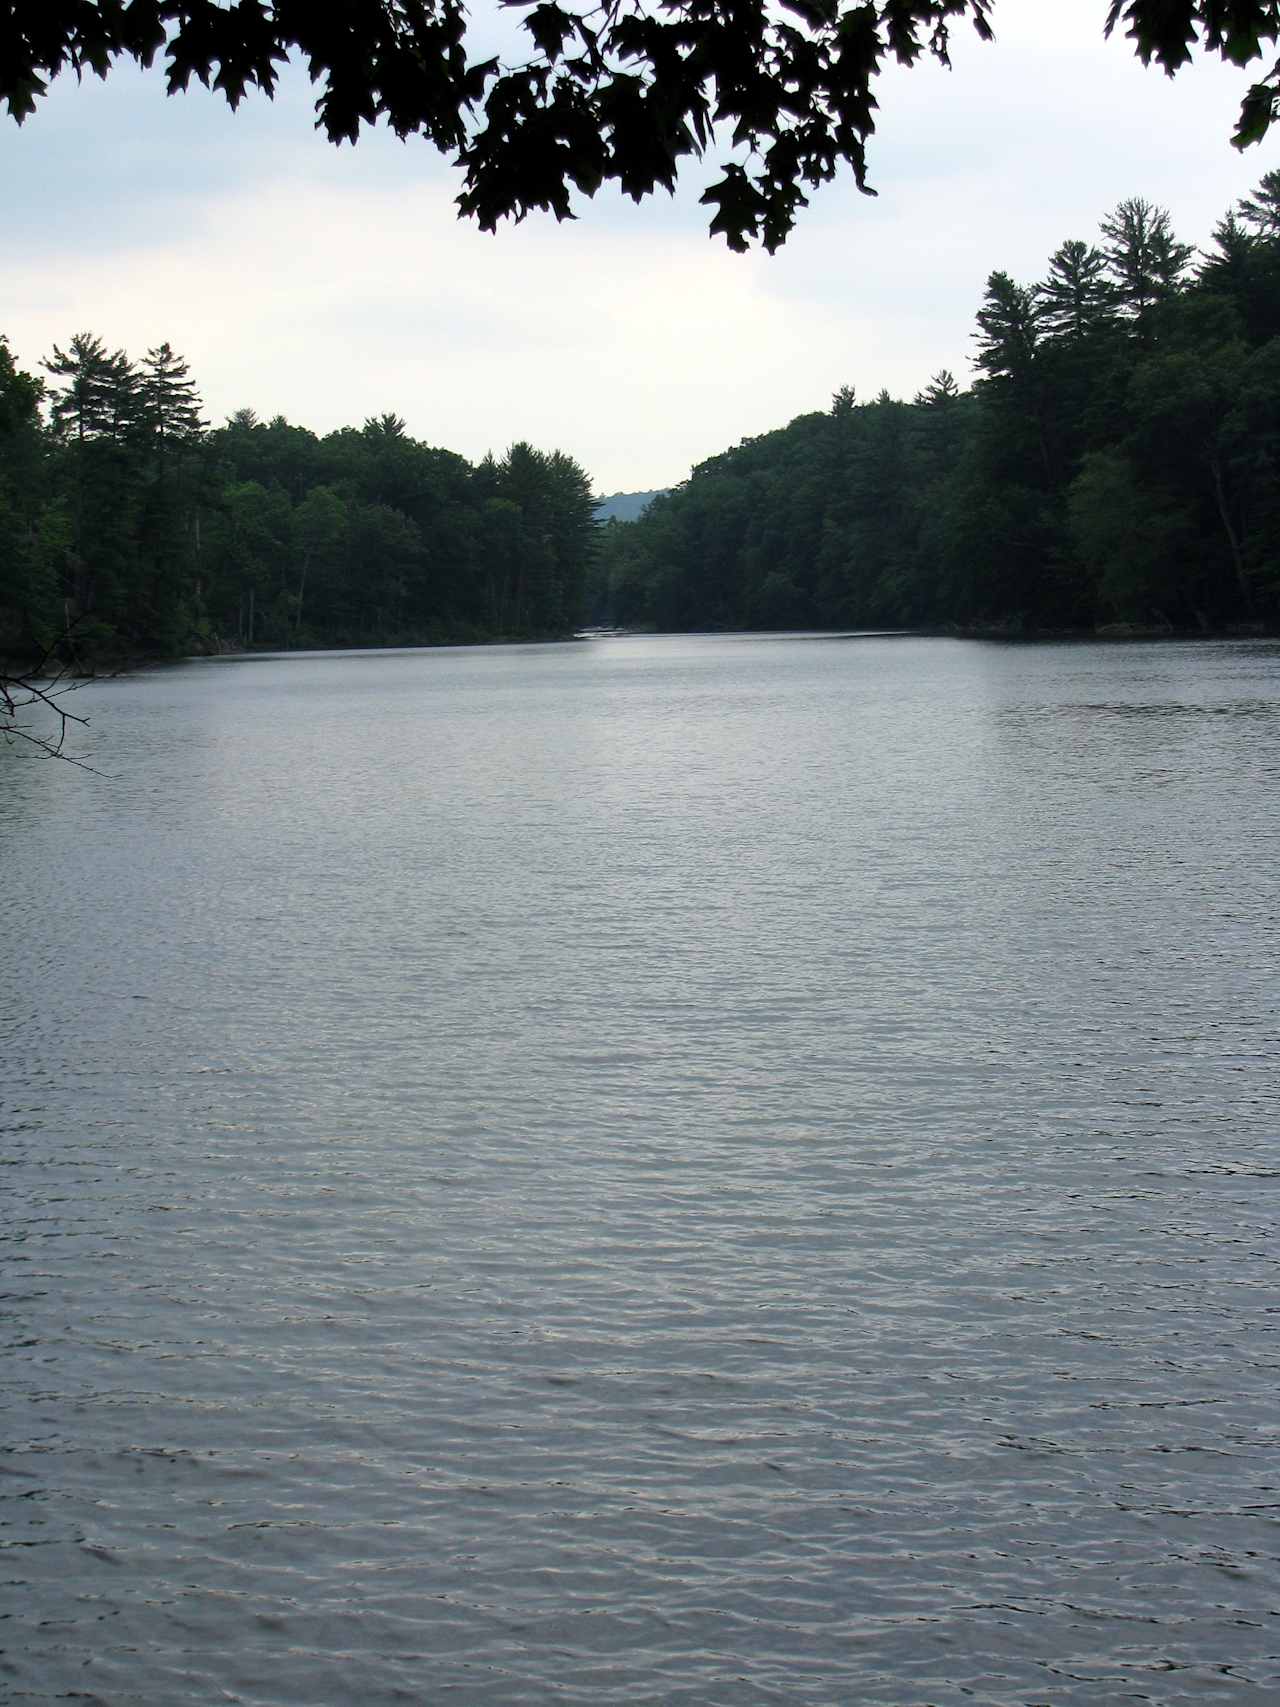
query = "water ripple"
x=751 y=1180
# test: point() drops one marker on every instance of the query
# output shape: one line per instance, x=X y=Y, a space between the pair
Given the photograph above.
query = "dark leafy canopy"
x=618 y=92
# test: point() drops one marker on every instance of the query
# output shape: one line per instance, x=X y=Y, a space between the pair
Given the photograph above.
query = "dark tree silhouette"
x=620 y=92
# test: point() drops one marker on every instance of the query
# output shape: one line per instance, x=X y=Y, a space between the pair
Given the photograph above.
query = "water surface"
x=711 y=1170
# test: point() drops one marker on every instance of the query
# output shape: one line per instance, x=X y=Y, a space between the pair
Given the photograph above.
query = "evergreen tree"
x=1077 y=298
x=1244 y=266
x=571 y=505
x=98 y=393
x=1260 y=212
x=1146 y=261
x=169 y=431
x=940 y=393
x=1008 y=330
x=552 y=495
x=168 y=405
x=30 y=617
x=386 y=426
x=1008 y=349
x=94 y=412
x=1225 y=267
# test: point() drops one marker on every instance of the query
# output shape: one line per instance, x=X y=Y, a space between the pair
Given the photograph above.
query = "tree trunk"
x=1229 y=528
x=302 y=588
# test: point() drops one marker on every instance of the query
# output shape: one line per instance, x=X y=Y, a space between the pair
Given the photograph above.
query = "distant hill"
x=625 y=506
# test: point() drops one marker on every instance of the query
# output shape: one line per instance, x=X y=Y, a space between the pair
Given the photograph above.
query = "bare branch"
x=44 y=685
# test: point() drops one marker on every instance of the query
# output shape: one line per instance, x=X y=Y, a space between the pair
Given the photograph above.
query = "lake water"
x=692 y=1170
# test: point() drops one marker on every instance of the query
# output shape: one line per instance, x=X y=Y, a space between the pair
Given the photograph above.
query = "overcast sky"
x=331 y=284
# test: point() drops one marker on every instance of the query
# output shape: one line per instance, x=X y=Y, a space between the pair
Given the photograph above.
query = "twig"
x=41 y=686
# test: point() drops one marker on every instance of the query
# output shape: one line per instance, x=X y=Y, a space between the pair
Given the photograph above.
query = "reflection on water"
x=654 y=1170
x=1164 y=708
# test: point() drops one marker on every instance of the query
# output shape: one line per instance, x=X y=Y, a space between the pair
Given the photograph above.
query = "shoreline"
x=103 y=668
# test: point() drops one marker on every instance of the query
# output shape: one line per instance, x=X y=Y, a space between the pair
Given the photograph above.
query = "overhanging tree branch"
x=42 y=688
x=620 y=92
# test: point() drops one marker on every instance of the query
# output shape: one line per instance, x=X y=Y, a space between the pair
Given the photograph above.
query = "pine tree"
x=940 y=391
x=28 y=584
x=99 y=393
x=1260 y=212
x=1225 y=267
x=1145 y=259
x=168 y=405
x=387 y=426
x=1008 y=330
x=1077 y=298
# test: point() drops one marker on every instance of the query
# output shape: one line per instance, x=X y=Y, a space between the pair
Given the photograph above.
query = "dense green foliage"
x=598 y=94
x=1117 y=461
x=125 y=521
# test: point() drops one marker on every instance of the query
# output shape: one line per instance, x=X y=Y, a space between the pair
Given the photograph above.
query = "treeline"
x=127 y=524
x=1116 y=462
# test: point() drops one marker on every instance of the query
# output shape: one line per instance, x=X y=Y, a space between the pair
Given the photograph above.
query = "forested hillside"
x=1117 y=462
x=124 y=520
